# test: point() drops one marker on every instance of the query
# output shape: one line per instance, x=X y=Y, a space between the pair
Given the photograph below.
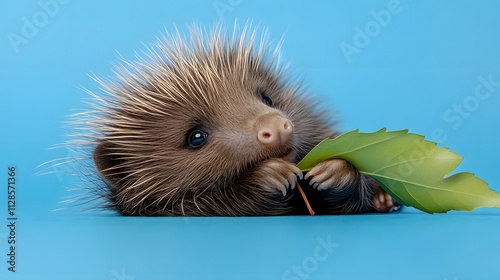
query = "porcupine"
x=213 y=126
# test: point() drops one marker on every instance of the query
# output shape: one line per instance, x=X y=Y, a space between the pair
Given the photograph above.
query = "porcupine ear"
x=108 y=162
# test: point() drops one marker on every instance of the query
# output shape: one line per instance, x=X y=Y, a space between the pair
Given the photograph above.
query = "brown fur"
x=215 y=82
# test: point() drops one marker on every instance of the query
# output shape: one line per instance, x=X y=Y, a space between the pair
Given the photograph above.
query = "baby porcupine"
x=213 y=126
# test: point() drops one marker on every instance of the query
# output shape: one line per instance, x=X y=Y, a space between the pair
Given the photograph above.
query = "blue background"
x=426 y=60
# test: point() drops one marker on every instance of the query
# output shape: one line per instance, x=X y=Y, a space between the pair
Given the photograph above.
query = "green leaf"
x=412 y=170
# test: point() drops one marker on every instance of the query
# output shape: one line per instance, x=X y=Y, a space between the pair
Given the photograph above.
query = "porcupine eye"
x=196 y=138
x=266 y=99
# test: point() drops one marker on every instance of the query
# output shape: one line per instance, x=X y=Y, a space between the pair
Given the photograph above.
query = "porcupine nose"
x=274 y=131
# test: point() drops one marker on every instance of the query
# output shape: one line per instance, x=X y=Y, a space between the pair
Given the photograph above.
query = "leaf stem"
x=311 y=211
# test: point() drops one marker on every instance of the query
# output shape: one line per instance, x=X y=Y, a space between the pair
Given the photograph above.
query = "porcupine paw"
x=278 y=174
x=383 y=202
x=334 y=173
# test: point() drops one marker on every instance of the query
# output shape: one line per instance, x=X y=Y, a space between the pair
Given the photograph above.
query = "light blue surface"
x=413 y=72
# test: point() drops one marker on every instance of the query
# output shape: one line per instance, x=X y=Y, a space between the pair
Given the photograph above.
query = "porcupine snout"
x=274 y=130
